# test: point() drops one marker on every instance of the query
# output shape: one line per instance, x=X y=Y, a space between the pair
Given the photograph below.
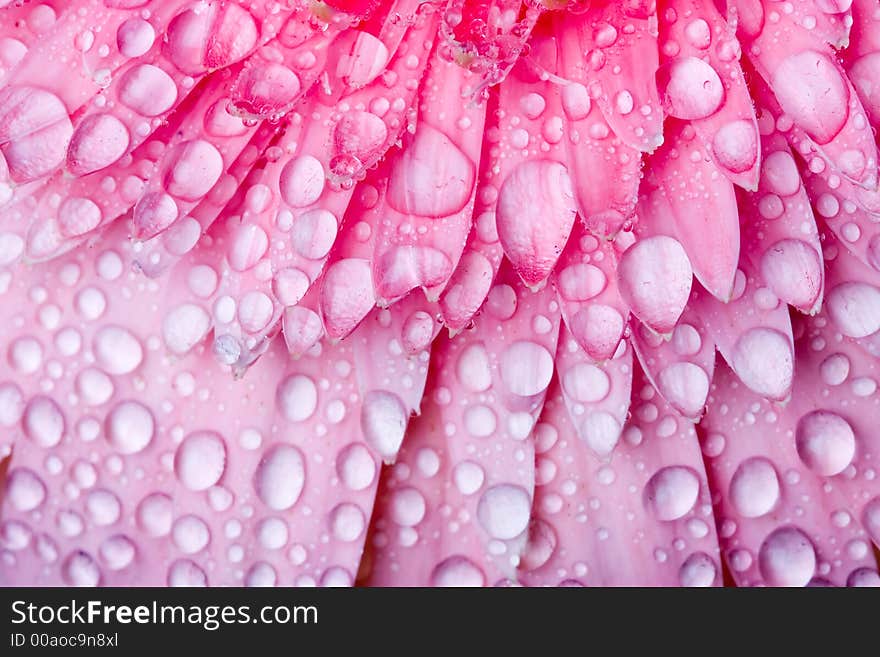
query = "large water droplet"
x=383 y=421
x=855 y=308
x=812 y=91
x=754 y=488
x=457 y=571
x=787 y=558
x=43 y=422
x=200 y=460
x=693 y=90
x=297 y=397
x=280 y=477
x=825 y=442
x=526 y=368
x=117 y=350
x=130 y=427
x=355 y=466
x=503 y=511
x=433 y=177
x=672 y=492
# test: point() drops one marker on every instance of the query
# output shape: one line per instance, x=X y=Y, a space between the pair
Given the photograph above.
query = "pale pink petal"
x=597 y=394
x=471 y=451
x=641 y=517
x=779 y=229
x=392 y=349
x=766 y=459
x=752 y=332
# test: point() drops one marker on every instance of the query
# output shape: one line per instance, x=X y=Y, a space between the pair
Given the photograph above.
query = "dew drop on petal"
x=457 y=571
x=672 y=492
x=504 y=510
x=526 y=368
x=280 y=477
x=825 y=442
x=130 y=427
x=754 y=488
x=200 y=460
x=787 y=558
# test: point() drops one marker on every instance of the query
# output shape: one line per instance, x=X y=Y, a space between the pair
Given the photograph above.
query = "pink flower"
x=231 y=233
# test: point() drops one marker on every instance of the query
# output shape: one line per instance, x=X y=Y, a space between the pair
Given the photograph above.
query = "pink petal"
x=828 y=120
x=706 y=85
x=641 y=517
x=587 y=289
x=764 y=459
x=696 y=205
x=435 y=202
x=597 y=394
x=752 y=332
x=617 y=62
x=681 y=368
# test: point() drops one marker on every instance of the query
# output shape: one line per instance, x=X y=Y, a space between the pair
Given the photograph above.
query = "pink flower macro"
x=447 y=293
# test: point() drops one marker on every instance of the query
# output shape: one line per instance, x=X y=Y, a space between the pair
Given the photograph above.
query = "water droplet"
x=586 y=383
x=754 y=488
x=302 y=181
x=698 y=570
x=383 y=422
x=825 y=442
x=117 y=552
x=504 y=510
x=601 y=431
x=763 y=360
x=117 y=350
x=355 y=466
x=347 y=522
x=855 y=308
x=407 y=507
x=812 y=91
x=135 y=37
x=468 y=477
x=672 y=492
x=190 y=534
x=148 y=90
x=540 y=545
x=130 y=427
x=526 y=368
x=154 y=514
x=432 y=178
x=185 y=327
x=480 y=421
x=457 y=571
x=24 y=489
x=694 y=90
x=280 y=477
x=297 y=398
x=184 y=572
x=80 y=569
x=103 y=507
x=787 y=558
x=200 y=460
x=472 y=368
x=43 y=422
